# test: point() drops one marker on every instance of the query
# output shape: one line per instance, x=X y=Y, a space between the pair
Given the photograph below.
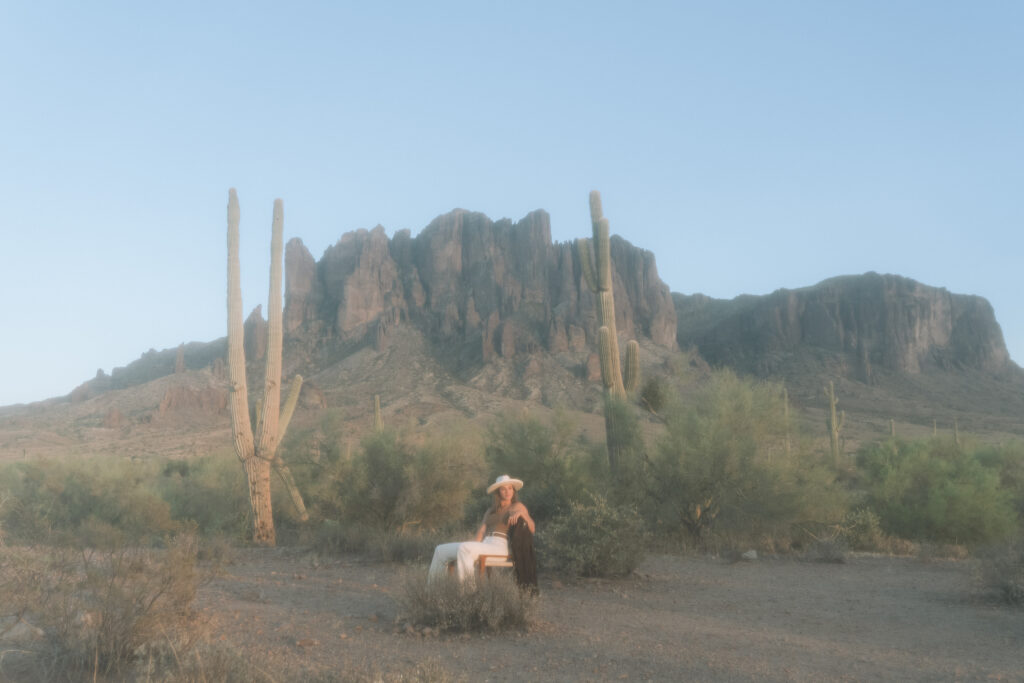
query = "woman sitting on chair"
x=492 y=536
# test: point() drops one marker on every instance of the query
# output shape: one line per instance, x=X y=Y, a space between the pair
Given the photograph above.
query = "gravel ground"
x=869 y=619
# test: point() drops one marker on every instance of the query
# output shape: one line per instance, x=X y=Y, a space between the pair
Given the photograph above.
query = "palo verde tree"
x=597 y=271
x=259 y=453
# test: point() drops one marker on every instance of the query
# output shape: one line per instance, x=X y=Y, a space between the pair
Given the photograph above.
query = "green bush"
x=208 y=491
x=492 y=604
x=1008 y=460
x=654 y=394
x=545 y=455
x=730 y=464
x=862 y=530
x=593 y=539
x=99 y=502
x=937 y=491
x=393 y=486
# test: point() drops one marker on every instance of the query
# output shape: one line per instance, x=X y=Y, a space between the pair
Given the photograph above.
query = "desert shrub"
x=216 y=552
x=393 y=486
x=593 y=538
x=730 y=464
x=492 y=604
x=102 y=501
x=545 y=455
x=1008 y=461
x=654 y=394
x=936 y=491
x=209 y=492
x=861 y=530
x=1001 y=571
x=100 y=609
x=335 y=538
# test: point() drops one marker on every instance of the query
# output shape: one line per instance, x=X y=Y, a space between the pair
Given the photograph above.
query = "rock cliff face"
x=478 y=287
x=877 y=321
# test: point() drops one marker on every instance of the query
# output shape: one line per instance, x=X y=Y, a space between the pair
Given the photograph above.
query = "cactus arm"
x=602 y=255
x=269 y=415
x=631 y=377
x=241 y=426
x=289 y=406
x=596 y=212
x=280 y=467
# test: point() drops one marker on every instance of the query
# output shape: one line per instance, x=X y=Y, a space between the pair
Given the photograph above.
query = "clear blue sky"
x=750 y=145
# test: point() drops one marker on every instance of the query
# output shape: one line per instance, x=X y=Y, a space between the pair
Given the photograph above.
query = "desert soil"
x=871 y=618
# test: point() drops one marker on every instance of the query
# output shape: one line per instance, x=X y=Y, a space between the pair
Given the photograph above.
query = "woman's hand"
x=520 y=513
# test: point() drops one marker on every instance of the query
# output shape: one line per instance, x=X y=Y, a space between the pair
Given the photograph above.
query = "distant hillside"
x=901 y=348
x=471 y=316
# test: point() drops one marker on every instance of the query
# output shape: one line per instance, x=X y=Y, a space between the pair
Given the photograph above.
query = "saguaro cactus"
x=785 y=417
x=378 y=421
x=259 y=453
x=596 y=265
x=834 y=423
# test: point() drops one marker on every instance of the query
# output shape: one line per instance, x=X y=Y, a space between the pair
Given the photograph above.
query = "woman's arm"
x=520 y=511
x=483 y=526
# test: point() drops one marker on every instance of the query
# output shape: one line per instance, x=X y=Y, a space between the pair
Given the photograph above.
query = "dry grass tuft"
x=100 y=611
x=493 y=604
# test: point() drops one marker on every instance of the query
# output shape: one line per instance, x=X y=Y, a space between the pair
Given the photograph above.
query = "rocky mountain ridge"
x=877 y=321
x=485 y=288
x=482 y=311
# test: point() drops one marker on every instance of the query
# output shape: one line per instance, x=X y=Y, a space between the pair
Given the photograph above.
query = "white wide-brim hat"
x=505 y=480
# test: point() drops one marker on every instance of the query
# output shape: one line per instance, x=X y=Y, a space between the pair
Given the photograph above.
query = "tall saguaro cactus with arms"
x=258 y=453
x=596 y=264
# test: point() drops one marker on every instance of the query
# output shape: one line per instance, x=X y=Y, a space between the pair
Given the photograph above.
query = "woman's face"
x=505 y=492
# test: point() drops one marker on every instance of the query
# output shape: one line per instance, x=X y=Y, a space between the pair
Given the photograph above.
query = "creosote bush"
x=594 y=538
x=492 y=604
